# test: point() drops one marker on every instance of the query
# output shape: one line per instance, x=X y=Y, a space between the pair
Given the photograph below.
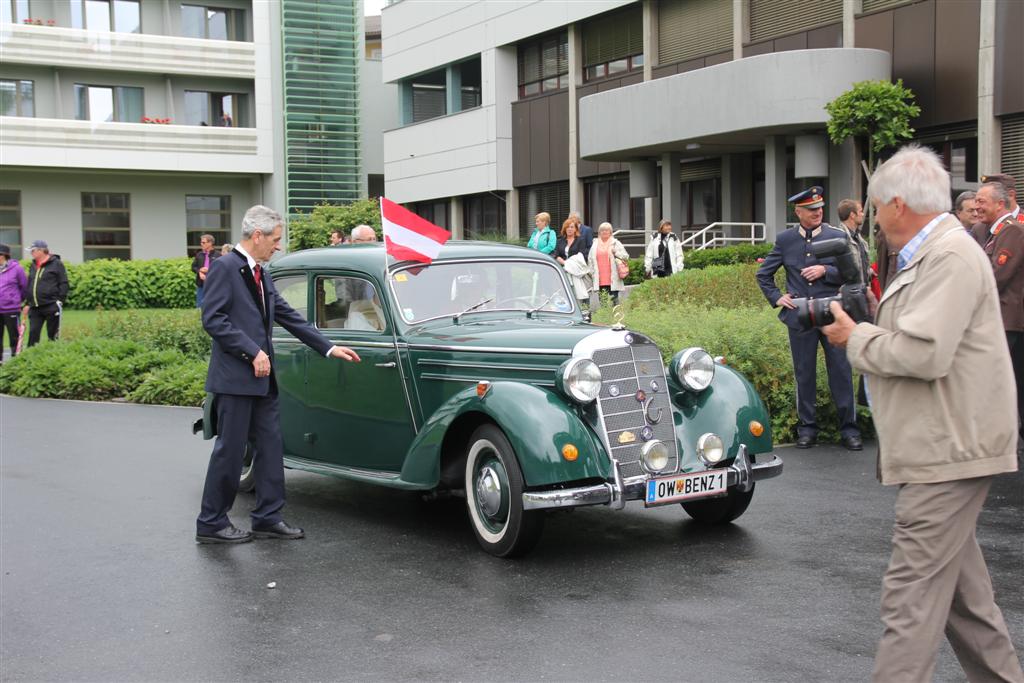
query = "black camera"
x=811 y=312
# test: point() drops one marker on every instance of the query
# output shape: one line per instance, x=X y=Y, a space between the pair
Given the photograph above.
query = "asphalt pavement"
x=102 y=580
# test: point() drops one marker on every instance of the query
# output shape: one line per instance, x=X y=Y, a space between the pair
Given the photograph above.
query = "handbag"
x=658 y=265
x=623 y=268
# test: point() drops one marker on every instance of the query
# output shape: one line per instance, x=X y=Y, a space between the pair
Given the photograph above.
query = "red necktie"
x=257 y=275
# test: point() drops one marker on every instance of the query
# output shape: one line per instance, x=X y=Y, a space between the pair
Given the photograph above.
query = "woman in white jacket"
x=605 y=256
x=664 y=254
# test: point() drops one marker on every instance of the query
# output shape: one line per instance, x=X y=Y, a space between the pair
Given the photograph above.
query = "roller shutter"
x=876 y=5
x=613 y=36
x=1013 y=146
x=775 y=18
x=703 y=169
x=691 y=29
x=551 y=197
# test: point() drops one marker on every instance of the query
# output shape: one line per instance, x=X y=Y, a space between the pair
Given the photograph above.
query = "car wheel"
x=247 y=482
x=719 y=510
x=494 y=496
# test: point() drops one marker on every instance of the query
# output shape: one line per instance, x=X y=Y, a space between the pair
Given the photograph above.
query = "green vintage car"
x=481 y=377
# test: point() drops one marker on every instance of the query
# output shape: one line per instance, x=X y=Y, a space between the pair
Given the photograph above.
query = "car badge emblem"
x=641 y=396
x=619 y=317
x=627 y=437
x=613 y=390
x=655 y=387
x=652 y=412
x=646 y=433
x=628 y=339
x=645 y=369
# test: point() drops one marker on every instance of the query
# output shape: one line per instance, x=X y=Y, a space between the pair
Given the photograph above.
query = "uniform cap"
x=1004 y=179
x=811 y=198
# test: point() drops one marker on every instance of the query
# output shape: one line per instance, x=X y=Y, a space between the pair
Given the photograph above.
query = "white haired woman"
x=609 y=262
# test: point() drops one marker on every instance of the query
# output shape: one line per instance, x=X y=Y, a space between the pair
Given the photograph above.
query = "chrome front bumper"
x=741 y=475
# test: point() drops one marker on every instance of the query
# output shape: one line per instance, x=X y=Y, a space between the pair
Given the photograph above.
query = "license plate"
x=686 y=487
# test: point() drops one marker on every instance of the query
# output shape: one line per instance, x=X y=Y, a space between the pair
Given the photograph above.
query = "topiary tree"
x=879 y=111
x=308 y=230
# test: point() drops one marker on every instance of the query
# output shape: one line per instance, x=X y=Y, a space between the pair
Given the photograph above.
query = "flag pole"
x=380 y=202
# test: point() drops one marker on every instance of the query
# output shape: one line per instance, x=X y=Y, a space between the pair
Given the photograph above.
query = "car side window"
x=348 y=303
x=292 y=289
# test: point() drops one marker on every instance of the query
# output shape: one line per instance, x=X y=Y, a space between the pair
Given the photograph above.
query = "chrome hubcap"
x=488 y=491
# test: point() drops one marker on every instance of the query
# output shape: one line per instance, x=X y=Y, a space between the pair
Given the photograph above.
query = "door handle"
x=389 y=364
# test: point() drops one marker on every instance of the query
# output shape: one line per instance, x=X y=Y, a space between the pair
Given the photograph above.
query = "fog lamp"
x=654 y=456
x=710 y=448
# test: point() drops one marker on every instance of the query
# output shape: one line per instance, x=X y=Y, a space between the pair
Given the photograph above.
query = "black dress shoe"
x=229 y=534
x=853 y=443
x=280 y=530
x=806 y=441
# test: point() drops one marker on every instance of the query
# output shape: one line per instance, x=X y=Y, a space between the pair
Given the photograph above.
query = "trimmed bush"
x=313 y=229
x=179 y=330
x=180 y=384
x=712 y=287
x=115 y=284
x=723 y=256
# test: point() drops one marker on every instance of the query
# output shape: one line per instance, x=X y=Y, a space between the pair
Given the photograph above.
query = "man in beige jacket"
x=937 y=367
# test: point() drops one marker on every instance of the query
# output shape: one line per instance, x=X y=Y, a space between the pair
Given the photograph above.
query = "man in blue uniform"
x=807 y=276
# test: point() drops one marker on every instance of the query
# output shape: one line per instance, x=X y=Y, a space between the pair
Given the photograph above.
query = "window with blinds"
x=429 y=99
x=876 y=5
x=687 y=30
x=774 y=18
x=1013 y=146
x=701 y=169
x=550 y=197
x=613 y=43
x=544 y=64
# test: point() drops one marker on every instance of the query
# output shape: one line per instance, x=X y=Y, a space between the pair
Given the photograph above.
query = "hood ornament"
x=618 y=316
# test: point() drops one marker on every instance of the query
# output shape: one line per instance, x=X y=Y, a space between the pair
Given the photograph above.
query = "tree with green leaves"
x=313 y=229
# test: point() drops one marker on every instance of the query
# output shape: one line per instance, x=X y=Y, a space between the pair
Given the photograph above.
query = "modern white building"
x=128 y=128
x=701 y=111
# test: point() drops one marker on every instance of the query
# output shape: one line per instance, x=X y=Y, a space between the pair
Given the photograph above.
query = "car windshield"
x=447 y=289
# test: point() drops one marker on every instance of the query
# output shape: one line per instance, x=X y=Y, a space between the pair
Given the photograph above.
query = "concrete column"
x=455 y=223
x=811 y=156
x=512 y=214
x=671 y=195
x=575 y=78
x=843 y=178
x=453 y=89
x=650 y=38
x=405 y=103
x=851 y=8
x=989 y=129
x=740 y=26
x=736 y=190
x=774 y=185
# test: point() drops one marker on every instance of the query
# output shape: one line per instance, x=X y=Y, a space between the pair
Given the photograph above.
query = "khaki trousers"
x=937 y=580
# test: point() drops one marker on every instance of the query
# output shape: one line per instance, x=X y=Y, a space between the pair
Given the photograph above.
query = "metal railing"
x=720 y=234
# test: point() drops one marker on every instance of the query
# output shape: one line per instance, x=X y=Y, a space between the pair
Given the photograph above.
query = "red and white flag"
x=408 y=237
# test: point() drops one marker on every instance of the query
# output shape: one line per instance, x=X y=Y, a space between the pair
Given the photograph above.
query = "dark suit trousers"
x=240 y=419
x=48 y=314
x=803 y=344
x=1016 y=343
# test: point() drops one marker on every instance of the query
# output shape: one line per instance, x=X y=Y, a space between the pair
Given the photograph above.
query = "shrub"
x=636 y=272
x=179 y=384
x=753 y=341
x=498 y=237
x=179 y=330
x=712 y=287
x=309 y=230
x=115 y=284
x=740 y=253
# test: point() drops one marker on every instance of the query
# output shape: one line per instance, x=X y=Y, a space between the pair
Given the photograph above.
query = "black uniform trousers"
x=803 y=344
x=255 y=419
x=37 y=315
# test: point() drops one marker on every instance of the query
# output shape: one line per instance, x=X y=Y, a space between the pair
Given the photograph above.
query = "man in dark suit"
x=201 y=265
x=586 y=232
x=239 y=308
x=807 y=276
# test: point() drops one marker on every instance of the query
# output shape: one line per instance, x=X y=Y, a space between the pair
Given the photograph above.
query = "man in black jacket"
x=201 y=265
x=47 y=292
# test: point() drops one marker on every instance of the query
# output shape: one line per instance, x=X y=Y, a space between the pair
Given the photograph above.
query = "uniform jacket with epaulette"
x=792 y=252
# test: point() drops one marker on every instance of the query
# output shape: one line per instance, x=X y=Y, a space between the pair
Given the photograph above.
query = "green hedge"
x=114 y=284
x=313 y=229
x=712 y=287
x=723 y=256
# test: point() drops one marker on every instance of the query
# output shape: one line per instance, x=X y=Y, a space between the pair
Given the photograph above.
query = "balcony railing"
x=78 y=48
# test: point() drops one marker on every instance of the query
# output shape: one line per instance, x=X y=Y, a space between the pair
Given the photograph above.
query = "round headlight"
x=580 y=379
x=710 y=448
x=654 y=456
x=694 y=369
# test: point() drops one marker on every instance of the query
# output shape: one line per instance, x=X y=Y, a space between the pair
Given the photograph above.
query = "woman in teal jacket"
x=543 y=238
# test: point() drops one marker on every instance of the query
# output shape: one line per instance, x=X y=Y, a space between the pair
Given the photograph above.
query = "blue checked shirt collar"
x=910 y=248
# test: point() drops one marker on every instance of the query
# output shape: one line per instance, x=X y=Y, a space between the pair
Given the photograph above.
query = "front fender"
x=538 y=423
x=726 y=408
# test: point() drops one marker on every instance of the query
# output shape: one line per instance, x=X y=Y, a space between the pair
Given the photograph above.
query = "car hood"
x=557 y=336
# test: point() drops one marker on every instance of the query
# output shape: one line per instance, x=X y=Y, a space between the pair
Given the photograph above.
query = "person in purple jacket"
x=13 y=287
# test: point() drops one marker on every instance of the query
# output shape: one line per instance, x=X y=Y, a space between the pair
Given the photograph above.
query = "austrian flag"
x=407 y=237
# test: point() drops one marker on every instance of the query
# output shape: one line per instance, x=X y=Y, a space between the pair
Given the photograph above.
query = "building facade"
x=700 y=111
x=128 y=128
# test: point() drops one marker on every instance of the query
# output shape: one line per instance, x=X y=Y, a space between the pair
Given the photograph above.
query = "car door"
x=290 y=365
x=357 y=414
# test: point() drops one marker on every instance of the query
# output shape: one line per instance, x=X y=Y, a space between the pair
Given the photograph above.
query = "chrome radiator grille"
x=625 y=371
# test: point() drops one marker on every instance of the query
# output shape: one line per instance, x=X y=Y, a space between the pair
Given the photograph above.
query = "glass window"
x=207 y=214
x=106 y=103
x=10 y=220
x=483 y=216
x=126 y=17
x=215 y=23
x=543 y=63
x=292 y=289
x=106 y=225
x=17 y=98
x=97 y=15
x=193 y=21
x=122 y=16
x=13 y=11
x=214 y=109
x=348 y=303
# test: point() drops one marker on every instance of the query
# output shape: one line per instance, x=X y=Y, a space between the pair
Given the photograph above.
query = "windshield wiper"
x=529 y=313
x=478 y=304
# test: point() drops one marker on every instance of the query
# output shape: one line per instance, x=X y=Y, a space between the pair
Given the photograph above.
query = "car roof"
x=370 y=257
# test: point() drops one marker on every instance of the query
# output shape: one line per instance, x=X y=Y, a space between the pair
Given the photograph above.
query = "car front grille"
x=625 y=371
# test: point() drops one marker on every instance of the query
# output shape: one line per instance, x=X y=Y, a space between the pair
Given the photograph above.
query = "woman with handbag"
x=543 y=238
x=664 y=254
x=609 y=262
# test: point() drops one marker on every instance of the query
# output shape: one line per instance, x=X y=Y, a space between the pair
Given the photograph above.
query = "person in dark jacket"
x=13 y=286
x=47 y=292
x=570 y=243
x=201 y=265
